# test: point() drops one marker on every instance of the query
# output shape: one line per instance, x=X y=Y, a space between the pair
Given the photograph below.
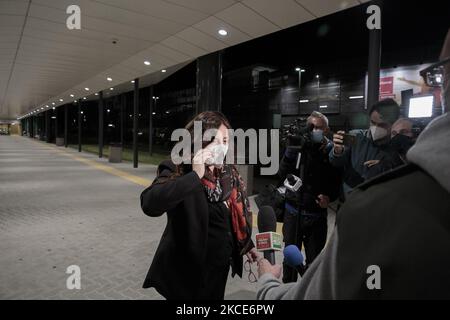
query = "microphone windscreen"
x=267 y=221
x=292 y=256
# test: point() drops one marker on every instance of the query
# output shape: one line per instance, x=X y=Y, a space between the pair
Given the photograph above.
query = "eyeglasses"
x=434 y=75
x=248 y=268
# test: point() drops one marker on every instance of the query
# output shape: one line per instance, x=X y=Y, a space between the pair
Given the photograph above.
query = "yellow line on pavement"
x=132 y=178
x=111 y=170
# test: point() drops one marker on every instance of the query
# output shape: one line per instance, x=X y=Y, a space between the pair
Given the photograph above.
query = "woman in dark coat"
x=208 y=219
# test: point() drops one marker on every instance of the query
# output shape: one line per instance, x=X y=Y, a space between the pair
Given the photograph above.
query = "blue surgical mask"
x=317 y=136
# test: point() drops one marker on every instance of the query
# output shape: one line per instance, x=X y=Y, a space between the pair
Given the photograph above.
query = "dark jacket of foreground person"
x=182 y=260
x=399 y=221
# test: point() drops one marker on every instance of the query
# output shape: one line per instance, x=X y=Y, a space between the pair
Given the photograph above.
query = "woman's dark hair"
x=388 y=109
x=209 y=120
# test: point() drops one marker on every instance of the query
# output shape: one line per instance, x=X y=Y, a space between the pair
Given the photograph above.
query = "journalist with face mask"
x=305 y=214
x=392 y=236
x=367 y=148
x=208 y=219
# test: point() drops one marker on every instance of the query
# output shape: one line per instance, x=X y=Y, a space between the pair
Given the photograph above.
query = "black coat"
x=178 y=266
x=320 y=178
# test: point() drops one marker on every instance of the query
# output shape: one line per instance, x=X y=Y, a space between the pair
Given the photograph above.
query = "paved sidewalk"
x=57 y=211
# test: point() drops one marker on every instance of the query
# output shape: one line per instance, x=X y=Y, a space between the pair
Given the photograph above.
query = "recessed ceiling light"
x=223 y=32
x=72 y=96
x=61 y=100
x=42 y=108
x=111 y=88
x=147 y=63
x=132 y=81
x=109 y=79
x=84 y=98
x=87 y=89
x=153 y=113
x=46 y=106
x=53 y=108
x=81 y=112
x=96 y=94
x=163 y=70
x=297 y=69
x=53 y=103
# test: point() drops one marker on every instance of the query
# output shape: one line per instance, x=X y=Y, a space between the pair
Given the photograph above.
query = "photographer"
x=359 y=158
x=305 y=217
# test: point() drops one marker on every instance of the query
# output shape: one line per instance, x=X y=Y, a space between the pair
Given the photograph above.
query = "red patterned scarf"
x=226 y=184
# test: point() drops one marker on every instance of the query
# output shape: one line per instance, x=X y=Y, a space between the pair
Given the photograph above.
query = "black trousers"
x=215 y=282
x=311 y=233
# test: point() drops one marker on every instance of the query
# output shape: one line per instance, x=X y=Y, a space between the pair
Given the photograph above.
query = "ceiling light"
x=356 y=97
x=147 y=63
x=317 y=76
x=61 y=100
x=72 y=96
x=223 y=32
x=109 y=79
x=132 y=81
x=53 y=103
x=304 y=101
x=81 y=112
x=108 y=110
x=163 y=70
x=87 y=89
x=96 y=93
x=53 y=108
x=298 y=69
x=111 y=88
x=153 y=113
x=84 y=98
x=323 y=107
x=42 y=108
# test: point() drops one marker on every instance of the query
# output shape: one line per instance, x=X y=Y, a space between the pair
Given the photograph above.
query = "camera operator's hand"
x=198 y=162
x=264 y=267
x=371 y=163
x=338 y=140
x=323 y=201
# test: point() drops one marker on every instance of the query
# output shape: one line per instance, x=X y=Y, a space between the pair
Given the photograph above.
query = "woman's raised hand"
x=198 y=162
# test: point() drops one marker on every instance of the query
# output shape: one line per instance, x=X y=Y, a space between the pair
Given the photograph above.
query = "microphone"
x=294 y=259
x=267 y=240
x=292 y=183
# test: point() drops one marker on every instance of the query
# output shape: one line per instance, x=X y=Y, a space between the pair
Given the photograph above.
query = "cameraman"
x=305 y=217
x=361 y=158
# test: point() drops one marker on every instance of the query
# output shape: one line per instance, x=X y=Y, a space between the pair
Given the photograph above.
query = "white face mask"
x=378 y=133
x=317 y=136
x=219 y=152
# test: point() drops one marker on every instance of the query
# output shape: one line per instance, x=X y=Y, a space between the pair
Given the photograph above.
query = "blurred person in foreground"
x=398 y=222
